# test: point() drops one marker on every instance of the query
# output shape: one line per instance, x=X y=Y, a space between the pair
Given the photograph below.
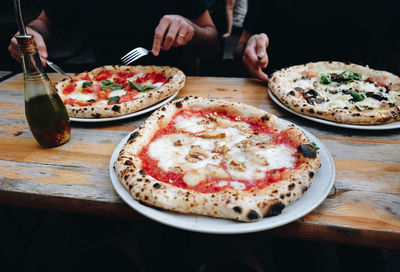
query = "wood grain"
x=365 y=210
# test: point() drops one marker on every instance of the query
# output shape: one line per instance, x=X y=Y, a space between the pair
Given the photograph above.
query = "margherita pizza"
x=217 y=158
x=111 y=91
x=343 y=93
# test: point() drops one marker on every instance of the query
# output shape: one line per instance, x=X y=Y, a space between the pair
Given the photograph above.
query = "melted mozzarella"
x=117 y=93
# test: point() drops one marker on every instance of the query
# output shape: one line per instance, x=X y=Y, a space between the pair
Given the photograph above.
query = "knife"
x=57 y=68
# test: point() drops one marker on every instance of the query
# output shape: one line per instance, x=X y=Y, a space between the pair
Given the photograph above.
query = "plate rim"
x=328 y=122
x=161 y=216
x=129 y=115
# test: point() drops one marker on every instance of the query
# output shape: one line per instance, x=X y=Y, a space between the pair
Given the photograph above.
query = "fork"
x=57 y=68
x=135 y=54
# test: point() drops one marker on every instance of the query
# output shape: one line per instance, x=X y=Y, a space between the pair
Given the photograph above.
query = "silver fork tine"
x=129 y=53
x=129 y=62
x=134 y=55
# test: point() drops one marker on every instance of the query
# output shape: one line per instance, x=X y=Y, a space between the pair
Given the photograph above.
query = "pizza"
x=343 y=93
x=110 y=91
x=217 y=158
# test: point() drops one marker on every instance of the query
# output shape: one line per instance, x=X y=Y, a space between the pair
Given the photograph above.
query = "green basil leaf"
x=349 y=75
x=324 y=79
x=115 y=86
x=113 y=99
x=141 y=88
x=106 y=82
x=86 y=83
x=356 y=96
x=315 y=146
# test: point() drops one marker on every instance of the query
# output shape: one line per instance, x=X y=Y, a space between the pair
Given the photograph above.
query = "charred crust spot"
x=116 y=108
x=126 y=177
x=252 y=215
x=133 y=135
x=128 y=162
x=275 y=209
x=142 y=172
x=307 y=150
x=304 y=189
x=237 y=209
x=312 y=111
x=282 y=196
x=186 y=98
x=178 y=105
x=163 y=108
x=292 y=93
x=265 y=118
x=157 y=185
x=311 y=174
x=291 y=186
x=288 y=194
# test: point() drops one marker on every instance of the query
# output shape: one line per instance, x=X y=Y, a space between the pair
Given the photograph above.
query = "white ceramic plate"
x=393 y=125
x=314 y=196
x=133 y=114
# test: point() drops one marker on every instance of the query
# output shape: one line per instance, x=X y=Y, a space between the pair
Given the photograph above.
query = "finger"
x=250 y=52
x=255 y=70
x=261 y=75
x=172 y=35
x=159 y=35
x=182 y=37
x=13 y=49
x=41 y=46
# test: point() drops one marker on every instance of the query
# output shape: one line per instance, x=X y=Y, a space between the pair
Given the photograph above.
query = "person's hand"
x=173 y=30
x=255 y=56
x=41 y=46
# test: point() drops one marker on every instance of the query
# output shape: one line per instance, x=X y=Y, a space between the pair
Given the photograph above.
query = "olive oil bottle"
x=45 y=112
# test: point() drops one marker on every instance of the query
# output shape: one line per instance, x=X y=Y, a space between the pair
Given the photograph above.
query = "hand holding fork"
x=172 y=31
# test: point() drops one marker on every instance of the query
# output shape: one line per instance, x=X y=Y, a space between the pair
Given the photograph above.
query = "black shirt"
x=116 y=27
x=302 y=31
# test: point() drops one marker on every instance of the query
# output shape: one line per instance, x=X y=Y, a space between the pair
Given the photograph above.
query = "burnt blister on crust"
x=116 y=108
x=275 y=209
x=178 y=104
x=253 y=215
x=128 y=162
x=237 y=209
x=307 y=150
x=265 y=118
x=133 y=135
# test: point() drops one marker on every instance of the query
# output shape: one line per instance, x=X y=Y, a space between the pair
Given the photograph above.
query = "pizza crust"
x=279 y=82
x=236 y=204
x=176 y=81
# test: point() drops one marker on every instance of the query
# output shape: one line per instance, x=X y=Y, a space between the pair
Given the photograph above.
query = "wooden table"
x=364 y=210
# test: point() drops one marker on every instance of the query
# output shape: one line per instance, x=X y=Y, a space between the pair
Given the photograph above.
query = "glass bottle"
x=45 y=112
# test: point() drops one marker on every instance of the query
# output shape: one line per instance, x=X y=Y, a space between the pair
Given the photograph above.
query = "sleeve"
x=256 y=16
x=194 y=8
x=61 y=16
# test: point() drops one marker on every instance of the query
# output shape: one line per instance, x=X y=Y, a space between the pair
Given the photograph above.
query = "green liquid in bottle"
x=49 y=123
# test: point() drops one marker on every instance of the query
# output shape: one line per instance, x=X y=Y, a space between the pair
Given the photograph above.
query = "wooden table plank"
x=74 y=177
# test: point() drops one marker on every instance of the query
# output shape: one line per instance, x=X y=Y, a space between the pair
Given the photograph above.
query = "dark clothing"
x=116 y=27
x=342 y=30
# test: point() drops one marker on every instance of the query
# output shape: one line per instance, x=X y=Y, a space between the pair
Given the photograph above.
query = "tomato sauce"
x=213 y=185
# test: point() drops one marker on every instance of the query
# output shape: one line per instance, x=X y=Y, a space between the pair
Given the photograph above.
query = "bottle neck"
x=31 y=63
x=36 y=80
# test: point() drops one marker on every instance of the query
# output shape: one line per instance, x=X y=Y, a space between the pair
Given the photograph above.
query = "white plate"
x=136 y=113
x=314 y=196
x=327 y=122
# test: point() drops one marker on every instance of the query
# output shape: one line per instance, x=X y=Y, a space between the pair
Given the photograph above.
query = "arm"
x=252 y=49
x=40 y=29
x=230 y=4
x=175 y=30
